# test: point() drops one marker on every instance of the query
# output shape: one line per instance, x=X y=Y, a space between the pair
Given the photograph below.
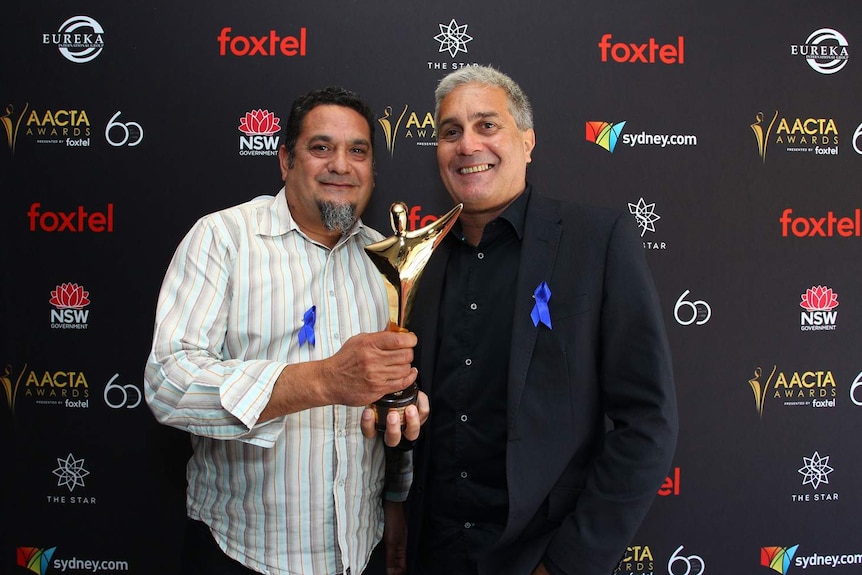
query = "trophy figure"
x=401 y=259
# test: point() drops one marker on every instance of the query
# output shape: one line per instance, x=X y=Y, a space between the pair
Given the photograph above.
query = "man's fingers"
x=412 y=423
x=367 y=424
x=392 y=436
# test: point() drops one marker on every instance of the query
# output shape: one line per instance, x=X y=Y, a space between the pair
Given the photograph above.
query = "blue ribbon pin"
x=540 y=312
x=307 y=331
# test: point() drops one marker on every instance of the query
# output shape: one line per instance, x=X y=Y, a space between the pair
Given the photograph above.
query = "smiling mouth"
x=475 y=169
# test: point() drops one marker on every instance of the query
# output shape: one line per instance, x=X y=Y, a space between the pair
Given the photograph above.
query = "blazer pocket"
x=574 y=305
x=562 y=501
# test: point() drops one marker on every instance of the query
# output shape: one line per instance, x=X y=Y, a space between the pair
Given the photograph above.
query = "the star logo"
x=645 y=215
x=453 y=38
x=71 y=472
x=816 y=470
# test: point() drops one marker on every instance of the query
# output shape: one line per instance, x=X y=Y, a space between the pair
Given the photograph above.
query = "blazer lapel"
x=539 y=251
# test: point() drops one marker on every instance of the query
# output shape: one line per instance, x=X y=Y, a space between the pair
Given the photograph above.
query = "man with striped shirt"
x=269 y=340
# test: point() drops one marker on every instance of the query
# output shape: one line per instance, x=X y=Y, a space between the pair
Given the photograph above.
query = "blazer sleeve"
x=637 y=395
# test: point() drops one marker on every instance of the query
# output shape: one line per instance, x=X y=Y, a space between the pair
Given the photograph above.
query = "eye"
x=450 y=133
x=319 y=148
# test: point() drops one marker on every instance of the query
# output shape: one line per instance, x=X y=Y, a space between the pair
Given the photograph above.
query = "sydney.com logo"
x=608 y=134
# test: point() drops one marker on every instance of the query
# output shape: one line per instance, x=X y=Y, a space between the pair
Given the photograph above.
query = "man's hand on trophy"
x=370 y=365
x=398 y=435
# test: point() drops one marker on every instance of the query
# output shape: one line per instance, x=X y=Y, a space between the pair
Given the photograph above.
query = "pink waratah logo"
x=259 y=123
x=819 y=298
x=70 y=296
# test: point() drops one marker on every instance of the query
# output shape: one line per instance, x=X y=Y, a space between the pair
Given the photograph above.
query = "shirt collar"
x=274 y=218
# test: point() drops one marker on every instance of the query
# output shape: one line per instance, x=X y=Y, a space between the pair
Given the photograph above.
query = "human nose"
x=469 y=143
x=339 y=162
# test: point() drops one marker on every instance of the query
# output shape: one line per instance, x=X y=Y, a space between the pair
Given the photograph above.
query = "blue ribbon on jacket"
x=540 y=312
x=307 y=331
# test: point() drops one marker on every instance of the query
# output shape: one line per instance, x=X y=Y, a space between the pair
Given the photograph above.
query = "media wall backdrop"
x=730 y=131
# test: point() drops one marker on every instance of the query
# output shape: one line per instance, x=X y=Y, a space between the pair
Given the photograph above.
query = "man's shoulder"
x=567 y=211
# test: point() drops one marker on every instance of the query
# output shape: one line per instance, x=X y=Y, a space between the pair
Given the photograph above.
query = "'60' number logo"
x=857 y=383
x=132 y=133
x=127 y=396
x=681 y=565
x=691 y=312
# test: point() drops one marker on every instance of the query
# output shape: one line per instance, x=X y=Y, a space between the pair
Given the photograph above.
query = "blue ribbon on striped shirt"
x=540 y=312
x=307 y=331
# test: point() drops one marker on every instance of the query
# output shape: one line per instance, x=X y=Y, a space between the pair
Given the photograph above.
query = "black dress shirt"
x=466 y=493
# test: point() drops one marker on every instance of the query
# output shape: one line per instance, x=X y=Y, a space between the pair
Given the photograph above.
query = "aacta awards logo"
x=818 y=303
x=814 y=389
x=69 y=301
x=10 y=388
x=80 y=39
x=61 y=126
x=825 y=50
x=637 y=560
x=419 y=127
x=817 y=136
x=11 y=120
x=778 y=559
x=259 y=128
x=452 y=39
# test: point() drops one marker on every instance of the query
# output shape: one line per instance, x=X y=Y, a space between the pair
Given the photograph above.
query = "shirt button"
x=463 y=475
x=468 y=525
x=463 y=418
x=468 y=362
x=480 y=255
x=335 y=336
x=473 y=306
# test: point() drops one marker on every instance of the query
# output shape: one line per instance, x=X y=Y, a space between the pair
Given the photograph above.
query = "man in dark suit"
x=543 y=350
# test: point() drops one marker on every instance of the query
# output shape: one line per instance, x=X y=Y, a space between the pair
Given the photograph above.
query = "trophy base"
x=397 y=401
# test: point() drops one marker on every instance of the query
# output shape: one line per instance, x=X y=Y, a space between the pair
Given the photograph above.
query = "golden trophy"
x=401 y=259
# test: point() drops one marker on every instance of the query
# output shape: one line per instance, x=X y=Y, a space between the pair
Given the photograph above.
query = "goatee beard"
x=338 y=217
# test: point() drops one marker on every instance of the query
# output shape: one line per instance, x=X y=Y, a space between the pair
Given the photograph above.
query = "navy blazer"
x=591 y=416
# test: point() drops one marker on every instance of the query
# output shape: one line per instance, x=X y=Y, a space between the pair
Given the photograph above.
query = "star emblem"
x=453 y=38
x=645 y=215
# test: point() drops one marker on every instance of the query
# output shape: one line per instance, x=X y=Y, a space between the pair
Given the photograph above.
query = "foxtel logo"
x=827 y=226
x=648 y=53
x=270 y=45
x=77 y=221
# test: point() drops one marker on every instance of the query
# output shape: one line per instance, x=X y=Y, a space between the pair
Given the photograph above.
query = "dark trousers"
x=201 y=555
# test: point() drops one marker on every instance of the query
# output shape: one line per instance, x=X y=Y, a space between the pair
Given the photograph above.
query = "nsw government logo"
x=259 y=129
x=69 y=301
x=818 y=303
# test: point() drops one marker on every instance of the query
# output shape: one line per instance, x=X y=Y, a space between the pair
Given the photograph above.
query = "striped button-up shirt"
x=299 y=493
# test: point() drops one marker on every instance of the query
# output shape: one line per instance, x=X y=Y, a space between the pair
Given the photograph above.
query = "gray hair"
x=519 y=104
